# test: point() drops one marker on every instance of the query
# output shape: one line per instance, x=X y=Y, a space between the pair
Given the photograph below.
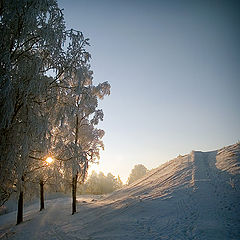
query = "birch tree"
x=31 y=34
x=77 y=140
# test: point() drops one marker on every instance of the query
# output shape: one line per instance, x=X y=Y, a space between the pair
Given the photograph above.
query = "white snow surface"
x=196 y=196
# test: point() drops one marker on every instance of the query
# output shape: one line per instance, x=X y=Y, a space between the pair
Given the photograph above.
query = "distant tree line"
x=100 y=184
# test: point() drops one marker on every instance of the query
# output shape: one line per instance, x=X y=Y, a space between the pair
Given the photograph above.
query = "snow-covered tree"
x=137 y=172
x=40 y=62
x=47 y=171
x=31 y=35
x=77 y=142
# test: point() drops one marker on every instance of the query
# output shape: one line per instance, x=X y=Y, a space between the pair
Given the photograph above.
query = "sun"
x=49 y=160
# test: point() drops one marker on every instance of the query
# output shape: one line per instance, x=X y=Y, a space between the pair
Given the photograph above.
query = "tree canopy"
x=137 y=172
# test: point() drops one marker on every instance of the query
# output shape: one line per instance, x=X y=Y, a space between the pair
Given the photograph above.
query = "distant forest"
x=101 y=184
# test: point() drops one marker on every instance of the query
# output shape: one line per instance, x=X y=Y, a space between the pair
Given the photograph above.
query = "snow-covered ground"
x=196 y=196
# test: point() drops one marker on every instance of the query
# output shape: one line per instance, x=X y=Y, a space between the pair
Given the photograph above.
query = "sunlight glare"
x=49 y=160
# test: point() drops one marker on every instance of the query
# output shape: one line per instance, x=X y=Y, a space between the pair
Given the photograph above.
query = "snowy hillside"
x=196 y=196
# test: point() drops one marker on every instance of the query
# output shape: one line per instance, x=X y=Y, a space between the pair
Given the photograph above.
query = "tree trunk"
x=73 y=196
x=74 y=193
x=74 y=179
x=20 y=208
x=41 y=195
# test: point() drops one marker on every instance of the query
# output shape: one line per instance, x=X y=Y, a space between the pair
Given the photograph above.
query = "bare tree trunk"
x=75 y=185
x=74 y=178
x=20 y=208
x=73 y=196
x=41 y=195
x=74 y=193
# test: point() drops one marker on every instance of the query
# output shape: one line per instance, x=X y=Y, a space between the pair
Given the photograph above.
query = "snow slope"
x=196 y=196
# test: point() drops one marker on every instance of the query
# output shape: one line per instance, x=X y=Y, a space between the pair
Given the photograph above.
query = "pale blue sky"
x=174 y=68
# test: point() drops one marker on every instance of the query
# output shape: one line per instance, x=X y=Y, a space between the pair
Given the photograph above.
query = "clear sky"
x=174 y=70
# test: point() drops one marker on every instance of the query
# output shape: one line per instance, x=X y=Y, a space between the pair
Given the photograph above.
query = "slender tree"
x=78 y=141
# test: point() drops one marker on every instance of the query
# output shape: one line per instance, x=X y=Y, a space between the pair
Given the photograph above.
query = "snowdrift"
x=196 y=196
